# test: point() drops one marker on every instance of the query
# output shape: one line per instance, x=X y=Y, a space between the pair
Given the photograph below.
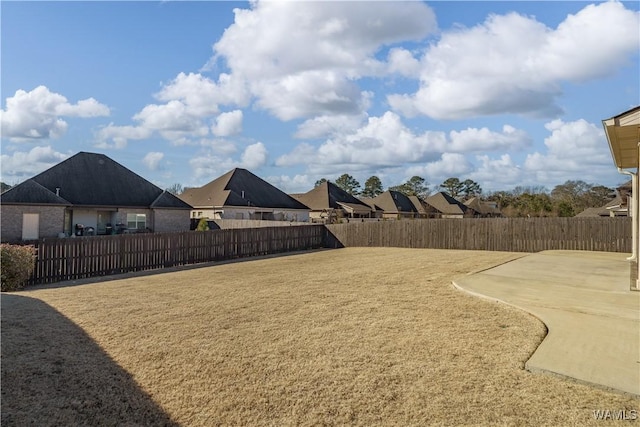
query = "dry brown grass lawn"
x=353 y=336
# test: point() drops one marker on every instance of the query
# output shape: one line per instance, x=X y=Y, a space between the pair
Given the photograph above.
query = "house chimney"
x=243 y=194
x=58 y=191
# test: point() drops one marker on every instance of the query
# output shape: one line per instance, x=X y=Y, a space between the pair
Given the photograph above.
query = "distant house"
x=88 y=194
x=483 y=209
x=239 y=194
x=330 y=203
x=617 y=207
x=394 y=205
x=448 y=207
x=425 y=210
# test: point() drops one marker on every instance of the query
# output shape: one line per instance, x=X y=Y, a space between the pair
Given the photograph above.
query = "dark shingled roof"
x=31 y=193
x=394 y=201
x=239 y=187
x=91 y=179
x=329 y=196
x=446 y=204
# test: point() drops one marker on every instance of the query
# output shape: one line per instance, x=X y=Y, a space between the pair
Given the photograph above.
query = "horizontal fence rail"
x=493 y=234
x=84 y=257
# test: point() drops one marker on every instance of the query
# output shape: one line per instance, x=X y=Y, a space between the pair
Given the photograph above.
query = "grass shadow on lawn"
x=53 y=373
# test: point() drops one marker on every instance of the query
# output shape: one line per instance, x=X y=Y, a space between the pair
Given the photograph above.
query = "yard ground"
x=357 y=336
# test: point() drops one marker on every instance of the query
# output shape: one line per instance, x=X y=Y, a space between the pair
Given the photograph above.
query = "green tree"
x=570 y=191
x=598 y=195
x=565 y=209
x=502 y=198
x=320 y=182
x=372 y=187
x=453 y=187
x=415 y=186
x=4 y=187
x=348 y=184
x=471 y=188
x=418 y=186
x=537 y=204
x=576 y=196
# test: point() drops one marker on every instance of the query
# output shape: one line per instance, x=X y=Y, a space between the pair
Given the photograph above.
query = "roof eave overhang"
x=623 y=136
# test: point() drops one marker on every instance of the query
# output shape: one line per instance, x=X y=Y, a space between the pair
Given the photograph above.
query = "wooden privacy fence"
x=83 y=257
x=494 y=234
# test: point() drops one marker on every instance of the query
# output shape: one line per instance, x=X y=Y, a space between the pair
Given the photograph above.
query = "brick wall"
x=168 y=220
x=51 y=221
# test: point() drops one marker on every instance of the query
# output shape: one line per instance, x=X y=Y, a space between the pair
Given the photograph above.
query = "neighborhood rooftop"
x=239 y=187
x=91 y=179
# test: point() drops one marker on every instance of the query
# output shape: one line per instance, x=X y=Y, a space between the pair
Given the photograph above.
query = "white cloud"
x=573 y=149
x=228 y=123
x=254 y=156
x=152 y=160
x=201 y=95
x=403 y=62
x=300 y=59
x=38 y=114
x=383 y=140
x=309 y=93
x=301 y=154
x=497 y=174
x=189 y=100
x=21 y=165
x=120 y=135
x=323 y=126
x=515 y=64
x=386 y=141
x=172 y=116
x=449 y=164
x=473 y=139
x=219 y=145
x=290 y=185
x=208 y=165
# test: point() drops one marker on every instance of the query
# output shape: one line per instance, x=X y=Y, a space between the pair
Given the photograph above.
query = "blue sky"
x=505 y=93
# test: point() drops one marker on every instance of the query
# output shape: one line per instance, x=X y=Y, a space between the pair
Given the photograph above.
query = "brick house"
x=239 y=194
x=88 y=194
x=330 y=203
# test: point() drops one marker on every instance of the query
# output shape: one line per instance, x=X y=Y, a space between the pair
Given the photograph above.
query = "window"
x=136 y=221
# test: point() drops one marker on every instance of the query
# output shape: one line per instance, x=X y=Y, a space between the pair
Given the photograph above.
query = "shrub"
x=203 y=225
x=16 y=264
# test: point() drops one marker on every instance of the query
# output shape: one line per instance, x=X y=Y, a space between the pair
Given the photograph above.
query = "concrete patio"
x=584 y=300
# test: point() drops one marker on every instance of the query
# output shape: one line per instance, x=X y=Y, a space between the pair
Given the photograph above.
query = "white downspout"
x=634 y=213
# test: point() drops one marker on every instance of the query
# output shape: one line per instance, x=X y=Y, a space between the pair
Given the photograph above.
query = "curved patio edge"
x=583 y=298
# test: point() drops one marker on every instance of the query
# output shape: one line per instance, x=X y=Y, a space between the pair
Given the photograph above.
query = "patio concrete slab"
x=583 y=298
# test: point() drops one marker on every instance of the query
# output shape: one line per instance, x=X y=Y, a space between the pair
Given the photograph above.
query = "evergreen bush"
x=16 y=263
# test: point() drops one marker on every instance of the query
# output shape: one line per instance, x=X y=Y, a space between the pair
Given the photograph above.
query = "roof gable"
x=446 y=204
x=91 y=179
x=32 y=193
x=239 y=187
x=329 y=196
x=394 y=201
x=168 y=200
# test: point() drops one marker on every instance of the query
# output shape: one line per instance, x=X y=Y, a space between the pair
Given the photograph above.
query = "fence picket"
x=82 y=257
x=498 y=234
